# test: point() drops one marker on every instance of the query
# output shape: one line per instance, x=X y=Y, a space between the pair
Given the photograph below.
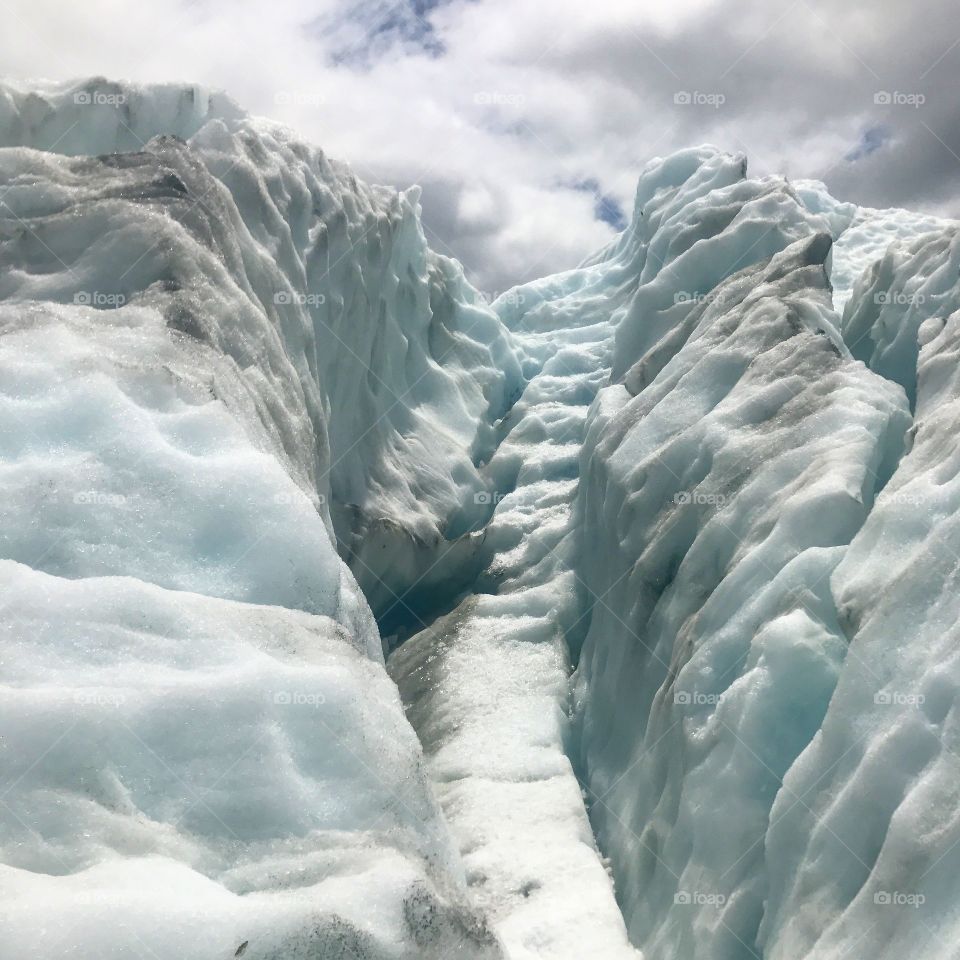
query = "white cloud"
x=528 y=99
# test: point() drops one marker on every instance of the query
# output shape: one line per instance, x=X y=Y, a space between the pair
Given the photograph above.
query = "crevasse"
x=660 y=557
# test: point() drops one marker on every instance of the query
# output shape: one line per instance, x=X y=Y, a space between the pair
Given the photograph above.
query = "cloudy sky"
x=527 y=121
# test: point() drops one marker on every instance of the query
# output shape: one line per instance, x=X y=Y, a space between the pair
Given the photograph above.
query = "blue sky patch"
x=605 y=207
x=871 y=140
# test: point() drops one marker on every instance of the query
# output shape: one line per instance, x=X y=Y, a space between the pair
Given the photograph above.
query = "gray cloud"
x=505 y=109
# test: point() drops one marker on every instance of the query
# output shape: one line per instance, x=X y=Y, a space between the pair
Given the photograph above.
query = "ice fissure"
x=345 y=615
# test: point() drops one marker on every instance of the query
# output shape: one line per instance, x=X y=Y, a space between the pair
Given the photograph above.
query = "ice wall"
x=914 y=281
x=378 y=370
x=217 y=350
x=864 y=842
x=722 y=478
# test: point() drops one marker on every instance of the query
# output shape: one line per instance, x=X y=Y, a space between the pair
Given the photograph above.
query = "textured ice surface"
x=686 y=569
x=376 y=367
x=119 y=456
x=723 y=479
x=913 y=284
x=867 y=862
x=201 y=747
x=861 y=234
x=100 y=116
x=185 y=774
x=726 y=489
x=723 y=476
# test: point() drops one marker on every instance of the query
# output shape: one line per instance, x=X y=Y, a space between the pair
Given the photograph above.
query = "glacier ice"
x=346 y=615
x=869 y=860
x=729 y=486
x=185 y=774
x=730 y=494
x=369 y=357
x=486 y=685
x=861 y=234
x=198 y=726
x=903 y=300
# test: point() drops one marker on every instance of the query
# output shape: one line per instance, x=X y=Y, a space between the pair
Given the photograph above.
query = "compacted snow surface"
x=345 y=615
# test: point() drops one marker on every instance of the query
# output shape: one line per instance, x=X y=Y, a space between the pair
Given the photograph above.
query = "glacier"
x=347 y=615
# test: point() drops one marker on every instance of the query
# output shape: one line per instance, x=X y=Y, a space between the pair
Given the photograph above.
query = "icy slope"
x=867 y=861
x=201 y=748
x=376 y=368
x=184 y=775
x=486 y=686
x=861 y=235
x=734 y=478
x=665 y=570
x=914 y=282
x=722 y=479
x=131 y=452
